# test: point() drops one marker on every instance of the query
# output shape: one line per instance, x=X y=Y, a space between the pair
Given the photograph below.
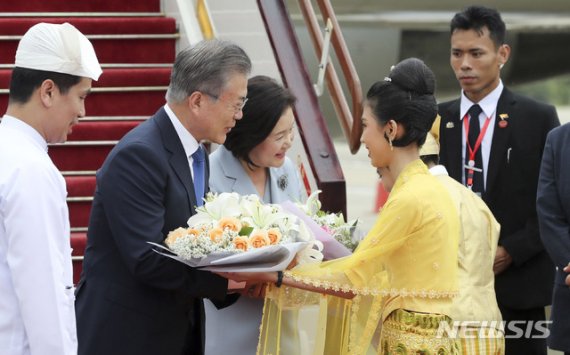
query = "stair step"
x=79 y=212
x=120 y=50
x=79 y=14
x=134 y=77
x=112 y=118
x=81 y=6
x=116 y=77
x=78 y=242
x=79 y=157
x=116 y=40
x=138 y=103
x=80 y=186
x=124 y=103
x=101 y=130
x=94 y=25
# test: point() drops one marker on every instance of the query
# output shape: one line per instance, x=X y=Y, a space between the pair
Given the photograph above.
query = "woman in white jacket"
x=252 y=161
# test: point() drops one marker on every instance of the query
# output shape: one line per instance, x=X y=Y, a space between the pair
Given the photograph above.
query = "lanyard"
x=473 y=150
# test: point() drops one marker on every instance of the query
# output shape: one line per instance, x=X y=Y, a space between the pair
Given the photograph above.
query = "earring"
x=391 y=146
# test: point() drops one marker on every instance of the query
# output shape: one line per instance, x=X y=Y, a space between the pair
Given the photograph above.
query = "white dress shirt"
x=37 y=315
x=189 y=143
x=489 y=108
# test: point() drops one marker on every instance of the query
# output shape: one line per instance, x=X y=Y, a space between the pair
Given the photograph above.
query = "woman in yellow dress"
x=392 y=295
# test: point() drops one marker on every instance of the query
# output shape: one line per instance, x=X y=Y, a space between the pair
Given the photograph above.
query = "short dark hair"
x=430 y=159
x=24 y=81
x=478 y=17
x=407 y=97
x=267 y=101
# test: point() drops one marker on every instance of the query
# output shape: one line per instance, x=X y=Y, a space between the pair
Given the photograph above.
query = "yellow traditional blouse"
x=408 y=260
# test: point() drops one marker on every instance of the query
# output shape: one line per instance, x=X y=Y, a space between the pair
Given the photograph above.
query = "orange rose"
x=175 y=234
x=230 y=222
x=274 y=235
x=216 y=234
x=241 y=243
x=192 y=231
x=259 y=239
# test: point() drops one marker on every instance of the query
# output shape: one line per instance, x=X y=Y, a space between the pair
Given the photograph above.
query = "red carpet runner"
x=136 y=49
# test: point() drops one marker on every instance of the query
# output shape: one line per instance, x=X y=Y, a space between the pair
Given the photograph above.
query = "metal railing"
x=312 y=127
x=349 y=119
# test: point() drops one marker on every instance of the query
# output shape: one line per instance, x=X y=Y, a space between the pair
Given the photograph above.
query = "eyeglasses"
x=237 y=107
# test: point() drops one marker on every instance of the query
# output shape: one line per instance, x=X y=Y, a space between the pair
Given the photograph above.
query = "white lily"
x=259 y=215
x=225 y=204
x=313 y=205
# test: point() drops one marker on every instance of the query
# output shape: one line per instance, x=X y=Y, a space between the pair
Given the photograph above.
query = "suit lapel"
x=452 y=129
x=178 y=159
x=500 y=139
x=234 y=173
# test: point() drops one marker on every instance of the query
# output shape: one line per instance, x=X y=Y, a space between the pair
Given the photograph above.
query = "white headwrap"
x=59 y=48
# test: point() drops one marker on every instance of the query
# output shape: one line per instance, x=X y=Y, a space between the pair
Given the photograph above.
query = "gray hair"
x=206 y=67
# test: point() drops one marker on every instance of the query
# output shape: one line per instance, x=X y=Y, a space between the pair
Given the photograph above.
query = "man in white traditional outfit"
x=474 y=310
x=55 y=65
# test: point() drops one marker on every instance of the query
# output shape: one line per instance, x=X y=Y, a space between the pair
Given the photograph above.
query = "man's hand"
x=256 y=290
x=502 y=260
x=234 y=286
x=567 y=269
x=251 y=277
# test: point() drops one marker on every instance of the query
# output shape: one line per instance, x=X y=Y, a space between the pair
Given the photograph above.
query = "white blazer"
x=227 y=175
x=235 y=329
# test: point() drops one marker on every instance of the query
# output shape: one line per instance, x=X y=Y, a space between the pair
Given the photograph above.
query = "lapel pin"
x=503 y=123
x=282 y=182
x=449 y=125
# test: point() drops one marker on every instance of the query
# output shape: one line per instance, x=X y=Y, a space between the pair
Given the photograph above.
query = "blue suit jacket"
x=131 y=300
x=227 y=175
x=510 y=193
x=553 y=208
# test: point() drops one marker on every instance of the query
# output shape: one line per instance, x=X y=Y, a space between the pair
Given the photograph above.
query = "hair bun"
x=413 y=75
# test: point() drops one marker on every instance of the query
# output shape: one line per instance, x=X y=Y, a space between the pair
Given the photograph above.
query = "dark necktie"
x=198 y=166
x=474 y=131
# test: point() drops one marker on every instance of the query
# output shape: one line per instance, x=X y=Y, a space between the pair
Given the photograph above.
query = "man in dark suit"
x=492 y=140
x=553 y=209
x=131 y=300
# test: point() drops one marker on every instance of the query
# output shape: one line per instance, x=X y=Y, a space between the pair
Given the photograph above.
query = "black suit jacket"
x=553 y=208
x=510 y=192
x=131 y=300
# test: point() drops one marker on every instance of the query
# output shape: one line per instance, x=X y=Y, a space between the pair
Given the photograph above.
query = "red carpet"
x=140 y=49
x=119 y=94
x=80 y=6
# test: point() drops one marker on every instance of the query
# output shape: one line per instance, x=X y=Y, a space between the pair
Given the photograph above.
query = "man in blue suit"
x=553 y=209
x=131 y=300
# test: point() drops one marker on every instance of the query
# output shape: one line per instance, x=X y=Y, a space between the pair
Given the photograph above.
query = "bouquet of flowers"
x=345 y=233
x=229 y=224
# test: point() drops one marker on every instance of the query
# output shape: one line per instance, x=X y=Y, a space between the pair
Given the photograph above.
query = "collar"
x=189 y=143
x=30 y=132
x=438 y=170
x=416 y=167
x=488 y=103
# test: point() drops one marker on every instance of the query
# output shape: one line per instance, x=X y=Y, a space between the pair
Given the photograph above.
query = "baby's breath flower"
x=230 y=223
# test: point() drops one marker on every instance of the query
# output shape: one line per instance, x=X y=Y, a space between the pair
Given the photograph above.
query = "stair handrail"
x=311 y=124
x=204 y=19
x=349 y=120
